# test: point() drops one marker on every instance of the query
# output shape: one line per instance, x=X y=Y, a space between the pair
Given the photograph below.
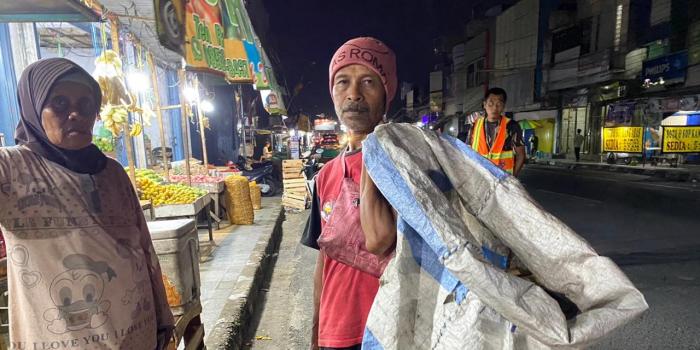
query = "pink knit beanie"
x=371 y=53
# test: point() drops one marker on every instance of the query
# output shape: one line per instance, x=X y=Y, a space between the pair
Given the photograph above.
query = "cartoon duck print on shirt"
x=135 y=296
x=77 y=295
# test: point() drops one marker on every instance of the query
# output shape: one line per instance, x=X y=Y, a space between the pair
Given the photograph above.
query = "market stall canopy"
x=46 y=11
x=537 y=115
x=682 y=118
x=527 y=124
x=138 y=17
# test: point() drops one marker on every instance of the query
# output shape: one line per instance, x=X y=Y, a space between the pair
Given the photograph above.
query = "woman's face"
x=69 y=114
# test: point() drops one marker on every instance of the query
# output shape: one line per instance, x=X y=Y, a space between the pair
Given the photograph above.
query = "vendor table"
x=189 y=210
x=189 y=329
x=147 y=207
x=216 y=191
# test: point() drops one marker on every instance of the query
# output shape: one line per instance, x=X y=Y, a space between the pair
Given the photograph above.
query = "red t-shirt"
x=347 y=294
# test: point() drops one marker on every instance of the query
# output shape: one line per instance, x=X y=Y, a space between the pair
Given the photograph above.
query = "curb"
x=671 y=174
x=232 y=330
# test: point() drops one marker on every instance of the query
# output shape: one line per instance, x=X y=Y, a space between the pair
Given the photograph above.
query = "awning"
x=527 y=124
x=138 y=17
x=536 y=115
x=682 y=118
x=46 y=11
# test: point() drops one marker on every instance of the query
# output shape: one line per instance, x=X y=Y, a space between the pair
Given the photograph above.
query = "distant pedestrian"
x=495 y=136
x=267 y=152
x=578 y=142
x=534 y=144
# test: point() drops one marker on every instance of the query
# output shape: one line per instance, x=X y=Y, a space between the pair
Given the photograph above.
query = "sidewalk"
x=230 y=271
x=688 y=172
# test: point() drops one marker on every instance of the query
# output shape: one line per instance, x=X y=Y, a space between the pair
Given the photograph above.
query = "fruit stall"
x=172 y=200
x=204 y=178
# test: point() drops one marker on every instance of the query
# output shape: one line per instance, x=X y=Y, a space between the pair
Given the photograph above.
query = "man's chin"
x=359 y=129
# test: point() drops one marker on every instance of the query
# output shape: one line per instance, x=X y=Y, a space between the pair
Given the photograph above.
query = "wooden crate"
x=293 y=169
x=293 y=203
x=292 y=175
x=295 y=192
x=293 y=163
x=291 y=184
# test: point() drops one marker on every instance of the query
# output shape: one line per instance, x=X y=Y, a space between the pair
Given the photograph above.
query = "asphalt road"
x=650 y=228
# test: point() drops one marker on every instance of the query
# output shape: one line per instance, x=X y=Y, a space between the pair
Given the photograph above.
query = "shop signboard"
x=213 y=40
x=671 y=104
x=271 y=102
x=294 y=147
x=620 y=113
x=246 y=34
x=325 y=125
x=681 y=139
x=626 y=139
x=669 y=69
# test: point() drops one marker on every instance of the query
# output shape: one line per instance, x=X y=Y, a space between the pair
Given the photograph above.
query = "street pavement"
x=286 y=321
x=649 y=226
x=651 y=229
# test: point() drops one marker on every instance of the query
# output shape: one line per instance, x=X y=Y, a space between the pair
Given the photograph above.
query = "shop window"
x=470 y=75
x=585 y=28
x=480 y=74
x=566 y=39
x=475 y=73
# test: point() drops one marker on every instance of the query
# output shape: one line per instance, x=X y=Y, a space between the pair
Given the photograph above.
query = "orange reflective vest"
x=496 y=154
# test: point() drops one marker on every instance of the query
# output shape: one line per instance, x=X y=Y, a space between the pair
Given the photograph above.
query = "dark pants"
x=354 y=347
x=577 y=151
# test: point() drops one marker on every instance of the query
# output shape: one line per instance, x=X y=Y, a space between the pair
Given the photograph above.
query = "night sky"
x=305 y=34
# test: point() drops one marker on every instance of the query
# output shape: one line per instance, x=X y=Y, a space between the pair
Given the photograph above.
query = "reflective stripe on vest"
x=502 y=159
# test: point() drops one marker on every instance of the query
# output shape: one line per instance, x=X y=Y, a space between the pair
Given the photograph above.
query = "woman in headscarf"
x=69 y=214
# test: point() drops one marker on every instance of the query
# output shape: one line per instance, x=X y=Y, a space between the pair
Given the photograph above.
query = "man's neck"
x=355 y=140
x=493 y=118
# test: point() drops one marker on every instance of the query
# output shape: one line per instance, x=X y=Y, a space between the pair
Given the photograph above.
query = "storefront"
x=155 y=111
x=542 y=125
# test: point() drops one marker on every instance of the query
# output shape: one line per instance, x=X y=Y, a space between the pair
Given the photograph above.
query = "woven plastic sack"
x=238 y=197
x=255 y=195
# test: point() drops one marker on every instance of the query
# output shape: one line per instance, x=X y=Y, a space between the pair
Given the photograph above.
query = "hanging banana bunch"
x=114 y=118
x=108 y=73
x=136 y=129
x=205 y=123
x=147 y=113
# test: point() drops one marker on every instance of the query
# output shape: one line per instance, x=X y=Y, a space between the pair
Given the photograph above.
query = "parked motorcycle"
x=262 y=174
x=312 y=167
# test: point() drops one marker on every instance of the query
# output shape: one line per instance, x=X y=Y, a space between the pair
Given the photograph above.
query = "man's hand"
x=318 y=288
x=519 y=160
x=377 y=218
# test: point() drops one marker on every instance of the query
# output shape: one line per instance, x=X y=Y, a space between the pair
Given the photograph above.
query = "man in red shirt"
x=362 y=81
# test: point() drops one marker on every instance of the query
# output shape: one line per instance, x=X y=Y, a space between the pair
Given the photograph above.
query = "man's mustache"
x=355 y=107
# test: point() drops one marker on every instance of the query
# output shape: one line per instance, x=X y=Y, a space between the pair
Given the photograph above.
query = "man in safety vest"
x=495 y=136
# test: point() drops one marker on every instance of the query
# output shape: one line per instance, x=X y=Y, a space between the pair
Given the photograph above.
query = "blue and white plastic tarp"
x=450 y=285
